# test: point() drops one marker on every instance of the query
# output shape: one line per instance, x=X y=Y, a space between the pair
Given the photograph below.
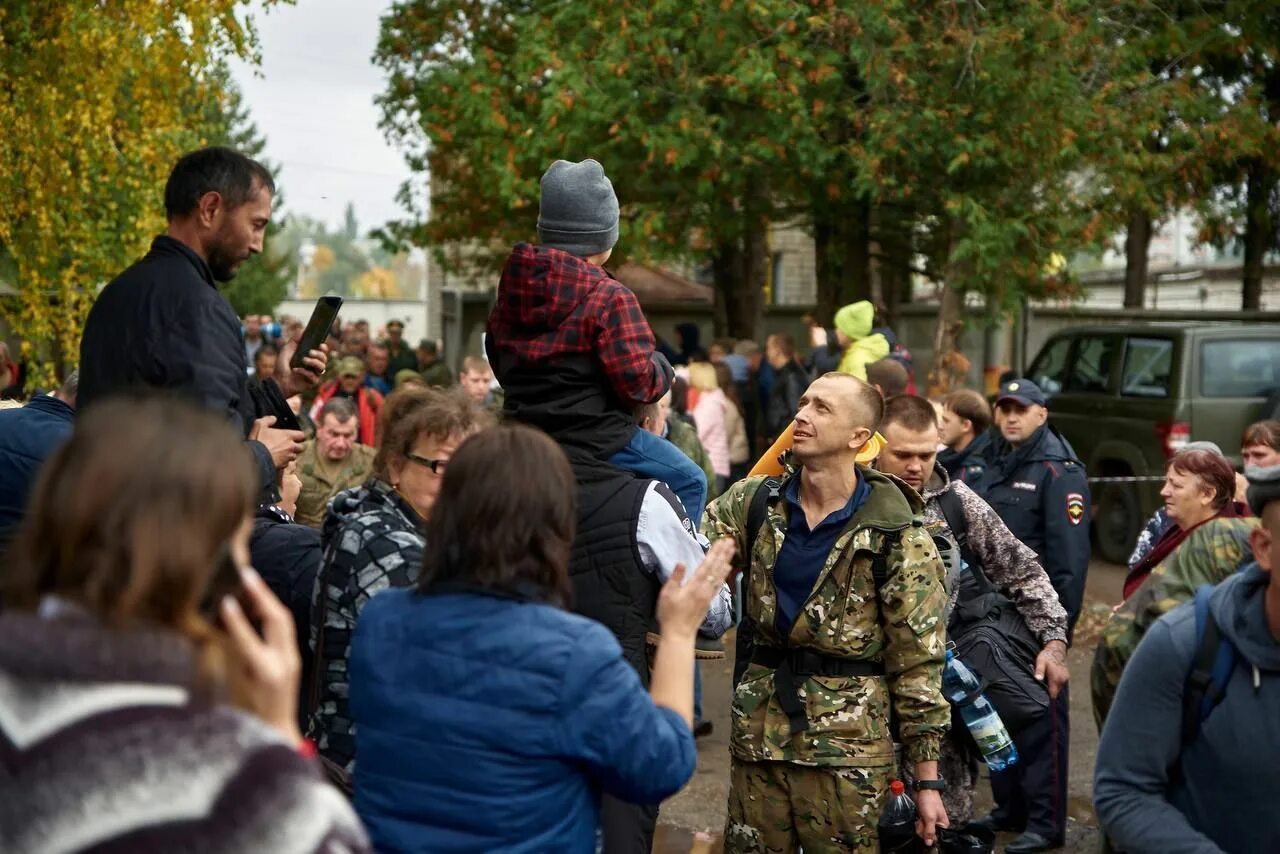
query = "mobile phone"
x=225 y=581
x=322 y=318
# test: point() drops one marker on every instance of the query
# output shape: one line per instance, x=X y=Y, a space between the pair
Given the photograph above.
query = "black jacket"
x=969 y=465
x=1040 y=492
x=287 y=556
x=163 y=324
x=789 y=383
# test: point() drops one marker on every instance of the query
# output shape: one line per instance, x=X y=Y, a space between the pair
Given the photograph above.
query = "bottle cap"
x=897 y=788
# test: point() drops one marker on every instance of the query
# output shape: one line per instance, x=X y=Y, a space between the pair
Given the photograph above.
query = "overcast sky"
x=312 y=98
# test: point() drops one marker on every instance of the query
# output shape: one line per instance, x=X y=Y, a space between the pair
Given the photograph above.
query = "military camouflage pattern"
x=322 y=480
x=958 y=767
x=1208 y=555
x=1014 y=567
x=779 y=807
x=684 y=436
x=848 y=716
x=1006 y=561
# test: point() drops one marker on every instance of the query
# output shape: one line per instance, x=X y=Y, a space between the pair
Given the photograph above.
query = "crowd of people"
x=463 y=611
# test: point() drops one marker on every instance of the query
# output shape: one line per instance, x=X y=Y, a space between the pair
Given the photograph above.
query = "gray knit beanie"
x=1264 y=487
x=579 y=211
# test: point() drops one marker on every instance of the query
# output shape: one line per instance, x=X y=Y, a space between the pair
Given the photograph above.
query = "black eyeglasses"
x=436 y=466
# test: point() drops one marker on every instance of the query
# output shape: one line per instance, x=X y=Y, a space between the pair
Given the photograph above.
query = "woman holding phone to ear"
x=178 y=724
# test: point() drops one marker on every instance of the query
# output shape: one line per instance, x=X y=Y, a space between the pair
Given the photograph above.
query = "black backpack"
x=991 y=637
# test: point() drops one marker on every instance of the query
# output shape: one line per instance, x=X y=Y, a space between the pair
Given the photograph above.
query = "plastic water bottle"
x=962 y=688
x=897 y=825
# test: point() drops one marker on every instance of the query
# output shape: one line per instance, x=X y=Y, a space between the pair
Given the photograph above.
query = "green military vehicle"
x=1128 y=397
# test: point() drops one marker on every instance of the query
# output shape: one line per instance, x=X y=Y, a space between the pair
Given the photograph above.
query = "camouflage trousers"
x=778 y=807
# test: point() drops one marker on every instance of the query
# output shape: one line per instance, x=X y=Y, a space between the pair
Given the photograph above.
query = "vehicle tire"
x=1117 y=521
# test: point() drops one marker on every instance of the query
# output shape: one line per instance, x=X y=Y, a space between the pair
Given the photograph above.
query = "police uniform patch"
x=1075 y=507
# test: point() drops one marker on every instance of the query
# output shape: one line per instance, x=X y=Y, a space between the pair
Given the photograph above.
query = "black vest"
x=567 y=397
x=610 y=583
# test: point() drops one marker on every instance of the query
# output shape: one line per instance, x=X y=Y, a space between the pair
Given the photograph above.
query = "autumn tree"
x=91 y=128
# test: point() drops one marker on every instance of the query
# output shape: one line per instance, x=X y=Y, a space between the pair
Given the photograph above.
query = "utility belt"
x=792 y=665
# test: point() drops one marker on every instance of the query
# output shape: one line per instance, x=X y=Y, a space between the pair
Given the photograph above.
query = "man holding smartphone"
x=163 y=324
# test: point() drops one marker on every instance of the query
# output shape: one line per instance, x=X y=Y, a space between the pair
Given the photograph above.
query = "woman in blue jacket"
x=489 y=718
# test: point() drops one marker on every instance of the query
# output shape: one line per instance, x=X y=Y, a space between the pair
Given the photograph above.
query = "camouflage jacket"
x=848 y=716
x=684 y=436
x=1208 y=555
x=1006 y=561
x=320 y=482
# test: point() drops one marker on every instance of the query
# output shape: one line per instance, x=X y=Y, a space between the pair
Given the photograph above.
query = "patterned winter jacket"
x=1209 y=554
x=372 y=540
x=848 y=717
x=1006 y=561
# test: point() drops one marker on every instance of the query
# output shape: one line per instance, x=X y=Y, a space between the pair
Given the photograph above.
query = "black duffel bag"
x=991 y=637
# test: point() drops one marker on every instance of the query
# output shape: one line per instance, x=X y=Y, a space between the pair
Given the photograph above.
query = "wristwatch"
x=938 y=785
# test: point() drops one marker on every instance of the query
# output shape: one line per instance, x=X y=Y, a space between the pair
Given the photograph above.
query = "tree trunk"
x=841 y=254
x=1258 y=233
x=895 y=275
x=825 y=272
x=1137 y=242
x=949 y=364
x=726 y=272
x=857 y=251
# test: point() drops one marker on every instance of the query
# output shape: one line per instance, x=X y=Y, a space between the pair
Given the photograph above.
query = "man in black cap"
x=1038 y=487
x=399 y=356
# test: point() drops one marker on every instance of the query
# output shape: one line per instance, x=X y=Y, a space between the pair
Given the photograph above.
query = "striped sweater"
x=106 y=744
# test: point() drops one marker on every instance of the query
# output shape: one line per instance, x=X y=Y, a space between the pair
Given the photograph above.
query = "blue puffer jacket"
x=489 y=724
x=27 y=436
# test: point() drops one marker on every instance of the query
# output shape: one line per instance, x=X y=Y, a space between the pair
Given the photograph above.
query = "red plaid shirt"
x=551 y=303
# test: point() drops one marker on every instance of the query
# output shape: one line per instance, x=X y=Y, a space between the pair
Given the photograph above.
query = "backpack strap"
x=757 y=516
x=957 y=524
x=1211 y=668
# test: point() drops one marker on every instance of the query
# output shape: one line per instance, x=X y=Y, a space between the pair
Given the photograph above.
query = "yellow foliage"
x=96 y=105
x=377 y=283
x=323 y=259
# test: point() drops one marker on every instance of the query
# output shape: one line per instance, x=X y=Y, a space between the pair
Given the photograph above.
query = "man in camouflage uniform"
x=1208 y=555
x=847 y=598
x=332 y=461
x=910 y=430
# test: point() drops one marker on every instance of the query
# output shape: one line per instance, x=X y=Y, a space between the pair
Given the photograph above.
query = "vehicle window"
x=1240 y=368
x=1148 y=363
x=1091 y=368
x=1050 y=368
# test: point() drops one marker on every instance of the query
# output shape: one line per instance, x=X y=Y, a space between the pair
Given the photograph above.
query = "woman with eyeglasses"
x=373 y=540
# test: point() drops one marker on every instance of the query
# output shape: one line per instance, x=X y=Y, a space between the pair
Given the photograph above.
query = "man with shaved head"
x=844 y=619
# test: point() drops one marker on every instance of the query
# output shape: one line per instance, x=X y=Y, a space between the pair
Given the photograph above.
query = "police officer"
x=846 y=593
x=1038 y=487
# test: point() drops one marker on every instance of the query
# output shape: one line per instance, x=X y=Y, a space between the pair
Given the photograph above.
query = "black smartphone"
x=225 y=581
x=322 y=318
